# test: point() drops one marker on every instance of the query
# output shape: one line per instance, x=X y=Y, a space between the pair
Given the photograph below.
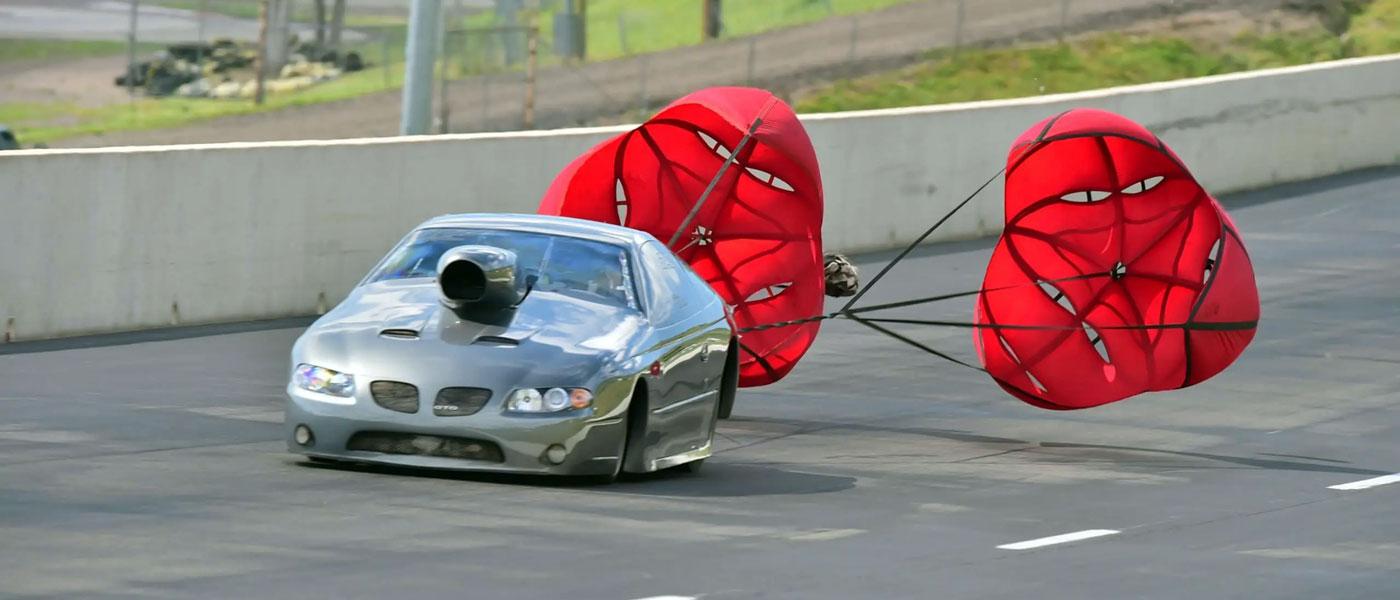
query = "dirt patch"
x=85 y=82
x=1220 y=26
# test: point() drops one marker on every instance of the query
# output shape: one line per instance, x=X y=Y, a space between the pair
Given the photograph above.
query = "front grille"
x=386 y=442
x=460 y=401
x=395 y=395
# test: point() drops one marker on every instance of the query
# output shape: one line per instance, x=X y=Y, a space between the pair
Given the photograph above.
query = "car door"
x=682 y=395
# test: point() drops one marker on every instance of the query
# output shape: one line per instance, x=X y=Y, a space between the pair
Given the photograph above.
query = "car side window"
x=663 y=281
x=694 y=278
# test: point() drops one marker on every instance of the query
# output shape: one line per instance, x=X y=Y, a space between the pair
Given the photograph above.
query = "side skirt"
x=682 y=458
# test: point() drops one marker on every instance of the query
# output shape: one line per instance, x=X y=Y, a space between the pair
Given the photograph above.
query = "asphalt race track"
x=146 y=467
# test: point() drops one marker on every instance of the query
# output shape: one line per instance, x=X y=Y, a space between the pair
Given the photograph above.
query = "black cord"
x=914 y=302
x=915 y=344
x=920 y=240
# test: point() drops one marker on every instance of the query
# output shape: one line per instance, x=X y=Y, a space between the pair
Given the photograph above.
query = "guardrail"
x=115 y=239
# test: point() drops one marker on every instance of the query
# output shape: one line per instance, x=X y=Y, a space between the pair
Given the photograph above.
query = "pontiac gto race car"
x=518 y=343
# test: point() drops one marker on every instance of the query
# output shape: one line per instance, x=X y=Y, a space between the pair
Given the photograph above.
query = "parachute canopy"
x=757 y=236
x=1116 y=272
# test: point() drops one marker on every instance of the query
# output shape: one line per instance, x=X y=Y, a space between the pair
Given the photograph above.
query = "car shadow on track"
x=716 y=480
x=1066 y=452
x=726 y=480
x=1129 y=454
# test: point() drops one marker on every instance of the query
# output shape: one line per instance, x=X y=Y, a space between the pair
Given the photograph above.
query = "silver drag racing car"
x=518 y=343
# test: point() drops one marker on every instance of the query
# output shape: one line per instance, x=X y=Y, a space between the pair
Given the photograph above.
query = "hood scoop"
x=400 y=334
x=496 y=340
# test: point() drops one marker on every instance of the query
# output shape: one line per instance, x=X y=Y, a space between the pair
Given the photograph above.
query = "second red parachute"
x=1116 y=272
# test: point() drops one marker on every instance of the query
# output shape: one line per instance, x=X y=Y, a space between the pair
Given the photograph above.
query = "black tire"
x=631 y=431
x=729 y=380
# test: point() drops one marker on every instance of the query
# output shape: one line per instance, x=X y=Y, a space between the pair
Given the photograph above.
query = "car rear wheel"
x=729 y=380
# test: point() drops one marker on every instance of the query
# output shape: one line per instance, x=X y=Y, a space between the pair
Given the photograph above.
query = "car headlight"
x=548 y=400
x=324 y=381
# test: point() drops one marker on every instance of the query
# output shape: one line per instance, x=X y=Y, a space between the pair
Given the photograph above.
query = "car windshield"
x=587 y=269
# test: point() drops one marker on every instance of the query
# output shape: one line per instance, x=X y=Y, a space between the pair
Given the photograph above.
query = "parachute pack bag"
x=729 y=177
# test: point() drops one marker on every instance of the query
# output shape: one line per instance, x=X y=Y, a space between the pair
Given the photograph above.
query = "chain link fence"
x=638 y=57
x=491 y=94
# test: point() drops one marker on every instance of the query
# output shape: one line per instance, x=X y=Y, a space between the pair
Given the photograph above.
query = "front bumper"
x=593 y=444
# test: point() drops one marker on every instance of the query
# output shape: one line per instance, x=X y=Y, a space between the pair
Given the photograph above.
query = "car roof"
x=547 y=224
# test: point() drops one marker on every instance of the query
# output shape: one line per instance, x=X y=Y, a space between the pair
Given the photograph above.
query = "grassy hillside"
x=1376 y=29
x=650 y=25
x=1102 y=61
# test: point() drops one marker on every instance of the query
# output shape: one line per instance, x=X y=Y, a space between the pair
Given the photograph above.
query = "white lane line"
x=669 y=598
x=823 y=535
x=1058 y=539
x=1367 y=483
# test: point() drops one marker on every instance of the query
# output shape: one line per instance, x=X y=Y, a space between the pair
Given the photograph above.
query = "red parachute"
x=1116 y=272
x=757 y=235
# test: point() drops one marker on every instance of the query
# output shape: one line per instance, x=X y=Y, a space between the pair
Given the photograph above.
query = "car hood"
x=398 y=329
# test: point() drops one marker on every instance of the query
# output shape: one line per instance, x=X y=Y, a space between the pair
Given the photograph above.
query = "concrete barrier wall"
x=128 y=238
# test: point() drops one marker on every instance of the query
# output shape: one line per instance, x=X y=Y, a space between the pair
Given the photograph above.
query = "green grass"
x=1376 y=30
x=35 y=50
x=654 y=25
x=302 y=11
x=45 y=123
x=1101 y=61
x=19 y=113
x=242 y=9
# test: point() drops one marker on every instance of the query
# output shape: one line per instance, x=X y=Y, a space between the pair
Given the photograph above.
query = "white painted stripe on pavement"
x=668 y=598
x=1058 y=539
x=1367 y=483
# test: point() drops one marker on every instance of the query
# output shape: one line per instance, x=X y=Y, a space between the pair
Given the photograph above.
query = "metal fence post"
x=384 y=55
x=622 y=32
x=1064 y=19
x=855 y=39
x=131 y=50
x=420 y=58
x=264 y=8
x=444 y=111
x=532 y=50
x=753 y=43
x=485 y=102
x=199 y=35
x=958 y=27
x=642 y=96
